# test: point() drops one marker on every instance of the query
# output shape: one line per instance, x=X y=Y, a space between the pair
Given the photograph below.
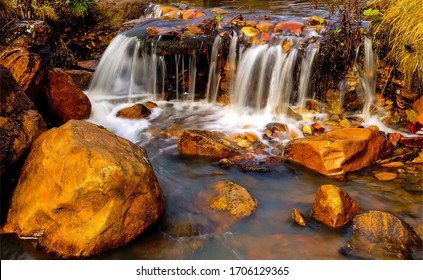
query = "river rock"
x=232 y=198
x=418 y=105
x=84 y=190
x=81 y=78
x=136 y=111
x=381 y=235
x=65 y=99
x=89 y=65
x=194 y=142
x=25 y=67
x=298 y=218
x=339 y=151
x=333 y=206
x=20 y=122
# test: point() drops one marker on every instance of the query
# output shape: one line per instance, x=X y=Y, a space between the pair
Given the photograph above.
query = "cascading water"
x=306 y=71
x=368 y=75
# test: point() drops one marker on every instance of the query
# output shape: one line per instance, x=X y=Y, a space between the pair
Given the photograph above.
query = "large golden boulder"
x=84 y=190
x=333 y=206
x=339 y=151
x=20 y=122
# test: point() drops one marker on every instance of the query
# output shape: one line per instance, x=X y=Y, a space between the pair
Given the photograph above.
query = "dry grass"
x=7 y=12
x=403 y=22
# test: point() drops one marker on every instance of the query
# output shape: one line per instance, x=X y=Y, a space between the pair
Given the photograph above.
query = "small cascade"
x=306 y=71
x=214 y=72
x=368 y=75
x=357 y=89
x=127 y=72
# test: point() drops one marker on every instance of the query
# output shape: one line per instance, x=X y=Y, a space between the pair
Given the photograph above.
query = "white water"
x=306 y=71
x=368 y=76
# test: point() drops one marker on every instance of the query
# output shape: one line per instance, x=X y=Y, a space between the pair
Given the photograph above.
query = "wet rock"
x=194 y=142
x=219 y=11
x=150 y=105
x=339 y=151
x=89 y=65
x=81 y=78
x=249 y=31
x=298 y=218
x=25 y=67
x=191 y=14
x=84 y=190
x=233 y=198
x=249 y=162
x=20 y=122
x=265 y=26
x=381 y=235
x=393 y=164
x=65 y=99
x=414 y=127
x=416 y=141
x=386 y=176
x=333 y=206
x=175 y=131
x=316 y=20
x=292 y=26
x=137 y=111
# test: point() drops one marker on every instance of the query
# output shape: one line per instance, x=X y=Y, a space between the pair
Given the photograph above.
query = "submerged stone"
x=386 y=176
x=194 y=142
x=84 y=190
x=232 y=198
x=339 y=151
x=381 y=235
x=333 y=206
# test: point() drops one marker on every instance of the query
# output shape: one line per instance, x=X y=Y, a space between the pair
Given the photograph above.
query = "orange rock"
x=333 y=206
x=386 y=176
x=381 y=235
x=420 y=118
x=137 y=111
x=65 y=99
x=339 y=151
x=265 y=26
x=293 y=26
x=418 y=105
x=84 y=190
x=191 y=14
x=298 y=218
x=233 y=198
x=20 y=122
x=195 y=142
x=194 y=29
x=286 y=46
x=150 y=105
x=81 y=78
x=25 y=67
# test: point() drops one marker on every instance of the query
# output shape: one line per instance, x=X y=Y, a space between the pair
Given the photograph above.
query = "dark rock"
x=81 y=78
x=89 y=65
x=381 y=235
x=20 y=122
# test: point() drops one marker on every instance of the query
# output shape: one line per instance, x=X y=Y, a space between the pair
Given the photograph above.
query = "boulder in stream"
x=136 y=111
x=339 y=151
x=333 y=206
x=84 y=190
x=381 y=235
x=194 y=142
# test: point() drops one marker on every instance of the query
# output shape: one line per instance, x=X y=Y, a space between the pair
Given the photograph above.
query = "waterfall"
x=214 y=69
x=368 y=75
x=127 y=71
x=306 y=71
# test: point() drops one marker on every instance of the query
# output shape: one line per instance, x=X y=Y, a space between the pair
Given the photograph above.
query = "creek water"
x=262 y=73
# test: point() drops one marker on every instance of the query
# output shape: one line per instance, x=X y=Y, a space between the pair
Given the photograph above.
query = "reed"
x=401 y=21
